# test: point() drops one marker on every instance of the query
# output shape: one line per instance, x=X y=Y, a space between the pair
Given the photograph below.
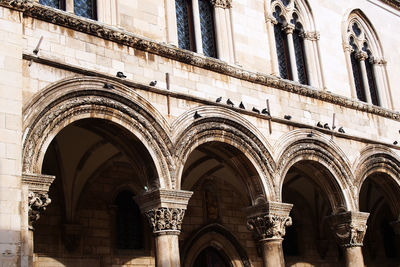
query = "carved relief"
x=269 y=226
x=37 y=203
x=349 y=228
x=222 y=3
x=163 y=220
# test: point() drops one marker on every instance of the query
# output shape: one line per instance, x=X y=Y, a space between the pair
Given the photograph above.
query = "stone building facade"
x=199 y=133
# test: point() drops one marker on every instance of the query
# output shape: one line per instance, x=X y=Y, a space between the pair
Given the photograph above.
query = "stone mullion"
x=268 y=222
x=362 y=56
x=289 y=33
x=170 y=13
x=347 y=51
x=378 y=74
x=197 y=26
x=349 y=229
x=69 y=6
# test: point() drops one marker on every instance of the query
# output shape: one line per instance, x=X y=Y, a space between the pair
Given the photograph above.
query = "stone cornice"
x=100 y=30
x=392 y=3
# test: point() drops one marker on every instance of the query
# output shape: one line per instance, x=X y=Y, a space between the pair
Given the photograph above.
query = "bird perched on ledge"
x=326 y=126
x=319 y=124
x=255 y=110
x=341 y=130
x=218 y=99
x=241 y=105
x=196 y=115
x=108 y=86
x=153 y=83
x=120 y=74
x=287 y=117
x=229 y=102
x=265 y=111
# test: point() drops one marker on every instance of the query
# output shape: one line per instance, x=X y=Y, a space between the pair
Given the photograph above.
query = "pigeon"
x=120 y=74
x=241 y=105
x=287 y=117
x=326 y=126
x=319 y=124
x=229 y=102
x=395 y=143
x=310 y=135
x=218 y=99
x=265 y=111
x=108 y=86
x=196 y=115
x=256 y=110
x=341 y=130
x=153 y=83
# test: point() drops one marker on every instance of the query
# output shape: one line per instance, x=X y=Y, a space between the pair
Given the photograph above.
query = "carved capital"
x=37 y=203
x=165 y=220
x=222 y=3
x=361 y=55
x=271 y=19
x=38 y=198
x=269 y=220
x=164 y=209
x=311 y=36
x=289 y=28
x=349 y=228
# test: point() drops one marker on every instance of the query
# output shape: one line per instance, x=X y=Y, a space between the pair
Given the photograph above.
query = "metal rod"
x=269 y=119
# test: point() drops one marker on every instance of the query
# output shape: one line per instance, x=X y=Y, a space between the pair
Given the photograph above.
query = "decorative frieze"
x=349 y=228
x=165 y=220
x=269 y=220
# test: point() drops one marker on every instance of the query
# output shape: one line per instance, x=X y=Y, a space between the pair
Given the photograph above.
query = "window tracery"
x=83 y=8
x=362 y=51
x=295 y=49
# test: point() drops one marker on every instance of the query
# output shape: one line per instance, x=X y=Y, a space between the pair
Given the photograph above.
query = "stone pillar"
x=349 y=230
x=289 y=31
x=268 y=222
x=165 y=209
x=197 y=26
x=347 y=51
x=362 y=56
x=270 y=21
x=170 y=17
x=35 y=191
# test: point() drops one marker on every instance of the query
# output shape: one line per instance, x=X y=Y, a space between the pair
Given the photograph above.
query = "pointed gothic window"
x=207 y=28
x=184 y=21
x=282 y=50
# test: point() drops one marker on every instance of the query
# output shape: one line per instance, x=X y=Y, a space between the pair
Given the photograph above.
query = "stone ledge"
x=110 y=33
x=393 y=3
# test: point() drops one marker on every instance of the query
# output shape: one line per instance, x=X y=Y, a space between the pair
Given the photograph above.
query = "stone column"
x=165 y=209
x=35 y=191
x=362 y=56
x=292 y=54
x=268 y=222
x=197 y=26
x=170 y=18
x=349 y=230
x=347 y=51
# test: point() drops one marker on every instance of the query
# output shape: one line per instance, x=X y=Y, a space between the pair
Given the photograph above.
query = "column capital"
x=311 y=36
x=222 y=3
x=289 y=28
x=361 y=55
x=271 y=19
x=164 y=209
x=269 y=220
x=349 y=228
x=38 y=198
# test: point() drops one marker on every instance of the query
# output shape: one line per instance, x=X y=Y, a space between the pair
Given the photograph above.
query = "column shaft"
x=170 y=17
x=167 y=250
x=273 y=253
x=365 y=81
x=347 y=51
x=272 y=47
x=292 y=55
x=197 y=27
x=353 y=257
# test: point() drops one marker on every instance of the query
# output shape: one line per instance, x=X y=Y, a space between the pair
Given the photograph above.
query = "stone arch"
x=217 y=236
x=222 y=125
x=78 y=98
x=375 y=159
x=297 y=146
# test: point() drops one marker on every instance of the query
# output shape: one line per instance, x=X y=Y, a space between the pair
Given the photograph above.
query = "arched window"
x=364 y=59
x=129 y=230
x=290 y=25
x=211 y=257
x=197 y=22
x=83 y=8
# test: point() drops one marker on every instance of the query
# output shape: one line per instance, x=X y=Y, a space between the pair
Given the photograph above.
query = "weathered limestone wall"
x=11 y=43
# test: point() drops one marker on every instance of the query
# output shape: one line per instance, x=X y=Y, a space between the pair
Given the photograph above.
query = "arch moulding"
x=222 y=125
x=297 y=146
x=72 y=99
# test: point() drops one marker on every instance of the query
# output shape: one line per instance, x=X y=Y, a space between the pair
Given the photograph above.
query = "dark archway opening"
x=309 y=240
x=211 y=257
x=99 y=166
x=381 y=244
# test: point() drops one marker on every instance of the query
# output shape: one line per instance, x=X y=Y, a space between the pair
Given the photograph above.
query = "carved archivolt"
x=222 y=129
x=78 y=98
x=339 y=178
